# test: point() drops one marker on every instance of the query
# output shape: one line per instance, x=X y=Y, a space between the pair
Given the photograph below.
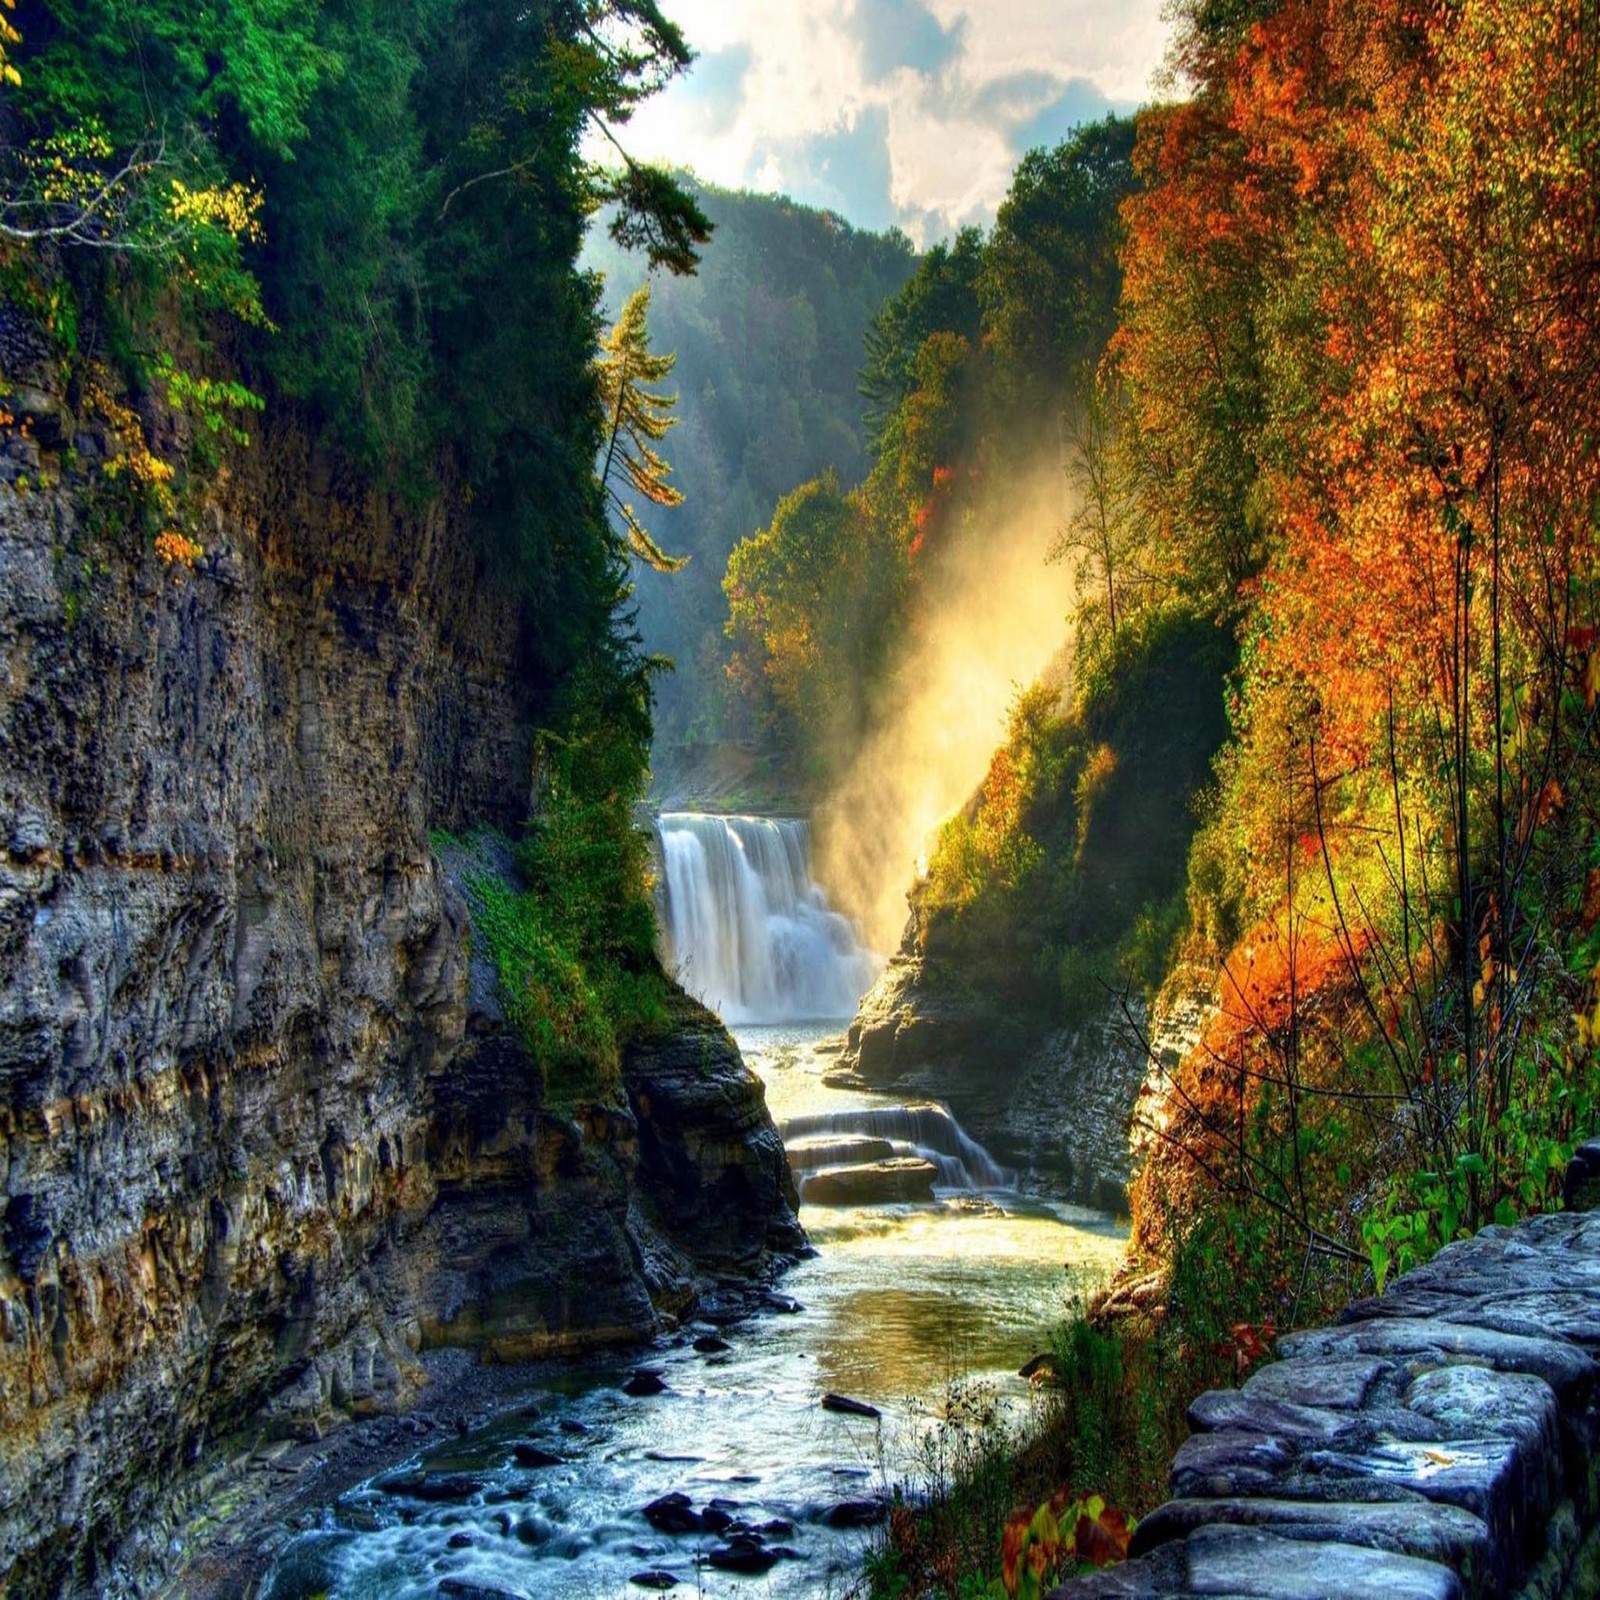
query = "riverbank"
x=227 y=1531
x=903 y=1308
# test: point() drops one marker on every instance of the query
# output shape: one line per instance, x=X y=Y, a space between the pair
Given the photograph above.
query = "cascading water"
x=872 y=1133
x=747 y=929
x=913 y=1284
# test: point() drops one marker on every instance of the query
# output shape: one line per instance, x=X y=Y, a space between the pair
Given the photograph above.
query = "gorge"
x=895 y=897
x=726 y=1458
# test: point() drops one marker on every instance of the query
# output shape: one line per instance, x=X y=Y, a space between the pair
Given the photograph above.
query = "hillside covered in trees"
x=1327 y=748
x=767 y=336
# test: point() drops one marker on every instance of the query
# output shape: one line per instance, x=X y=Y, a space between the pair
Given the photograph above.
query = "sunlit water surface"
x=899 y=1303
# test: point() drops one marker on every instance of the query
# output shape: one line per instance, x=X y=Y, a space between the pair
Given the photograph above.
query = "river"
x=903 y=1306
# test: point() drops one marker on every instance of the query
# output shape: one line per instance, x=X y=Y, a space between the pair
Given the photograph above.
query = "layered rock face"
x=264 y=1137
x=1056 y=1102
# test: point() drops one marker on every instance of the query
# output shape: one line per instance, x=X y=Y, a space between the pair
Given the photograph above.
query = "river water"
x=903 y=1306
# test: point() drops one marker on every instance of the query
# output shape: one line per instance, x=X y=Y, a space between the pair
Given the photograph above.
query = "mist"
x=992 y=618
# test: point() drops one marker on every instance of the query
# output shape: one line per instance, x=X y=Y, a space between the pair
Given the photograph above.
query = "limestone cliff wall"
x=263 y=1135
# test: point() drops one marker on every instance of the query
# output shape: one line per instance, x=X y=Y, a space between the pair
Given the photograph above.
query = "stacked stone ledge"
x=1441 y=1442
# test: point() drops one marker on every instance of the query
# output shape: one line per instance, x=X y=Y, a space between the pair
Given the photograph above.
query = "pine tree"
x=639 y=418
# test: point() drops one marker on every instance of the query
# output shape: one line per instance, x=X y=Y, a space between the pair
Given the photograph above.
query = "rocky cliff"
x=1055 y=1102
x=264 y=1136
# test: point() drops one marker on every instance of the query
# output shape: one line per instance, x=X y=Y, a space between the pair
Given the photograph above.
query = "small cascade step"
x=926 y=1131
x=806 y=1155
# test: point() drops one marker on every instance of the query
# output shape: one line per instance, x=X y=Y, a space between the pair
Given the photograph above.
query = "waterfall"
x=746 y=928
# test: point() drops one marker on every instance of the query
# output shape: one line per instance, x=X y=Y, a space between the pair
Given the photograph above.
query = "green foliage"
x=572 y=934
x=1050 y=276
x=1511 y=1170
x=941 y=297
x=967 y=372
x=258 y=62
x=1076 y=846
x=768 y=336
x=806 y=613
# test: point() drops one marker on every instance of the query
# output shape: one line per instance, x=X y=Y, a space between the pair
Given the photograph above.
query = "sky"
x=908 y=112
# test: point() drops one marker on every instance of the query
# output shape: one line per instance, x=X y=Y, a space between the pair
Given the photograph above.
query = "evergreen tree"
x=638 y=418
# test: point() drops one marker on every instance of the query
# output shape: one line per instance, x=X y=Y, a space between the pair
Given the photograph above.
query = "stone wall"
x=1441 y=1442
x=264 y=1136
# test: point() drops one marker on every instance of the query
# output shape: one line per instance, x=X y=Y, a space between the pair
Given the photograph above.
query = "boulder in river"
x=445 y=1488
x=673 y=1513
x=533 y=1455
x=719 y=1516
x=711 y=1344
x=655 y=1578
x=744 y=1552
x=645 y=1382
x=461 y=1589
x=872 y=1183
x=857 y=1514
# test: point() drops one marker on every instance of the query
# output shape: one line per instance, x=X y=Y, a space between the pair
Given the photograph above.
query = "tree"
x=1103 y=527
x=812 y=600
x=941 y=297
x=1050 y=279
x=638 y=419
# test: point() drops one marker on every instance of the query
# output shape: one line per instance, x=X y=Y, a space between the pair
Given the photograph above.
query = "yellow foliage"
x=178 y=549
x=233 y=207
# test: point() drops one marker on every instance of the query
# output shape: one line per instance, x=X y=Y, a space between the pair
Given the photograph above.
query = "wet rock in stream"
x=900 y=1180
x=847 y=1407
x=438 y=1488
x=673 y=1513
x=744 y=1552
x=461 y=1589
x=857 y=1514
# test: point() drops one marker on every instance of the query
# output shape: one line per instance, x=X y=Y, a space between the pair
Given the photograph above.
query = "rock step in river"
x=880 y=1133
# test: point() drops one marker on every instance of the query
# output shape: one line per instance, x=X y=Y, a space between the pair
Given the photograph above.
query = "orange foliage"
x=1272 y=975
x=178 y=549
x=1361 y=337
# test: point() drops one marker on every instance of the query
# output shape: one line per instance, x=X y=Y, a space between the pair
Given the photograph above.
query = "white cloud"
x=908 y=110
